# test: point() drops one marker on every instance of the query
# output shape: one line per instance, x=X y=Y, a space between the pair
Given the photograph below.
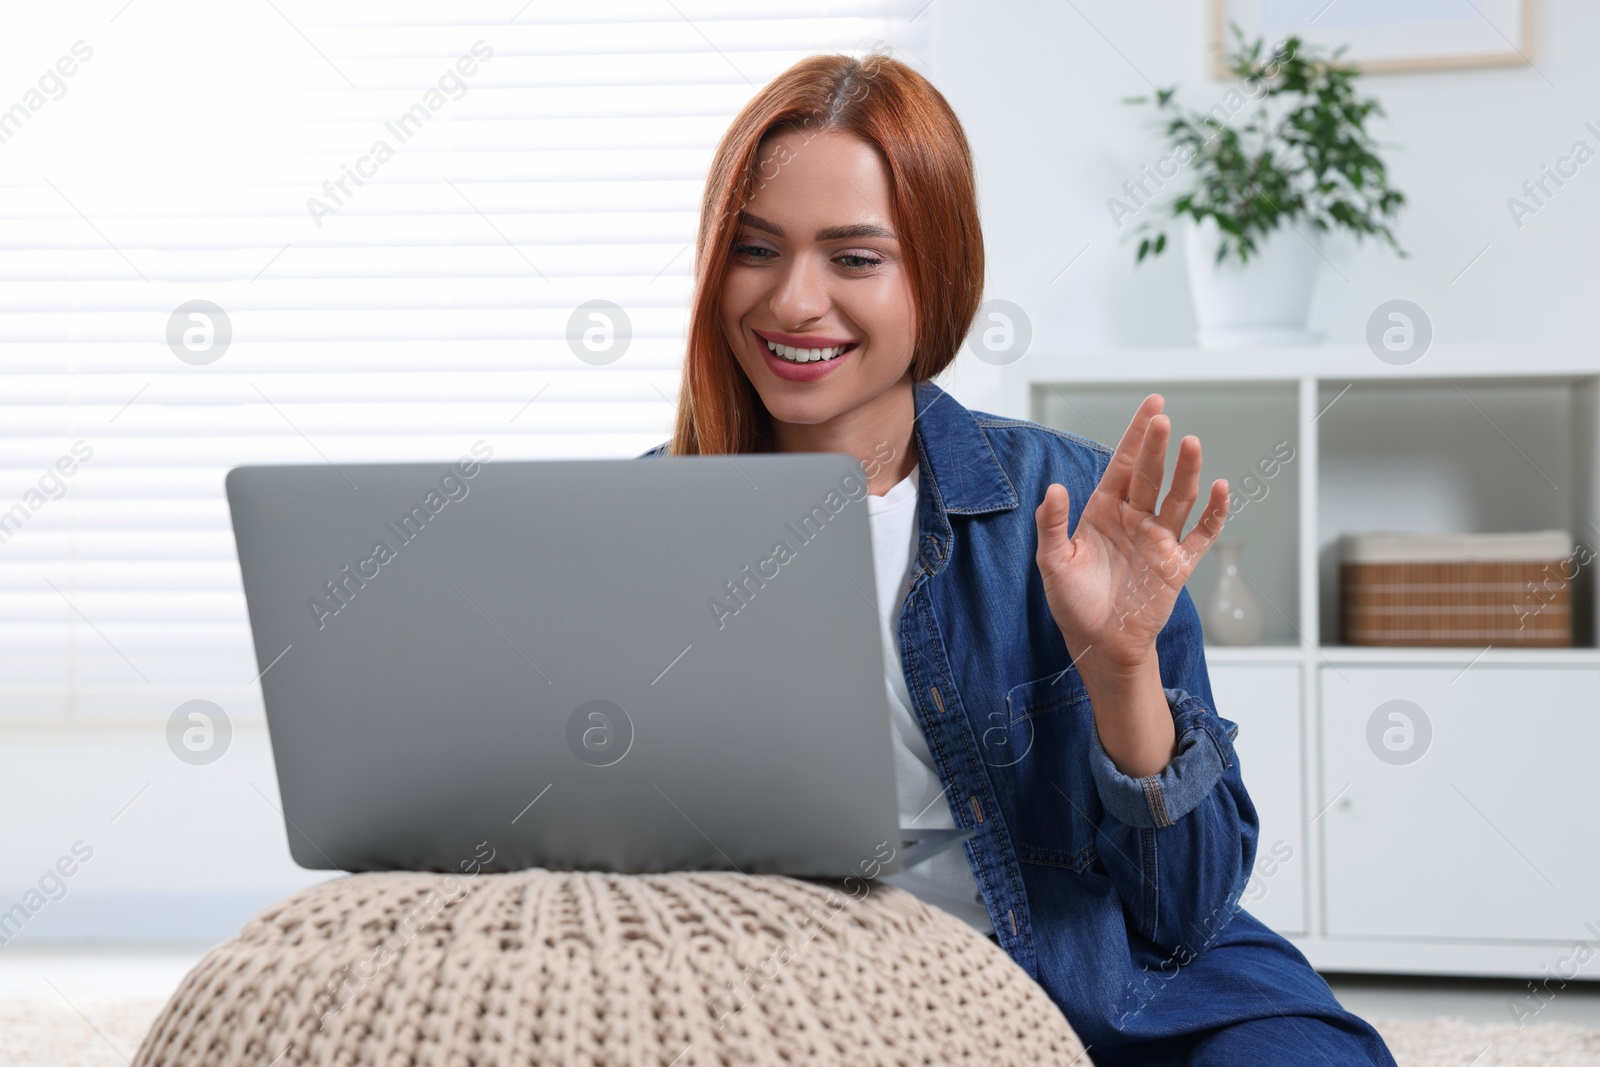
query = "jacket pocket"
x=1049 y=721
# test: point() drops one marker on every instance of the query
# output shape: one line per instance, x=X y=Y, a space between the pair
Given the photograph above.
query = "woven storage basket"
x=583 y=969
x=1502 y=589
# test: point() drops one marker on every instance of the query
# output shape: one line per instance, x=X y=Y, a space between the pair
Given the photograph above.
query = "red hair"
x=933 y=194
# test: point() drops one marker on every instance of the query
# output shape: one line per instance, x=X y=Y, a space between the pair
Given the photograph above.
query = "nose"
x=800 y=294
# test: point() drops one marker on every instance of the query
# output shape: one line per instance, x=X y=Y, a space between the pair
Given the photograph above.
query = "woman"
x=1052 y=692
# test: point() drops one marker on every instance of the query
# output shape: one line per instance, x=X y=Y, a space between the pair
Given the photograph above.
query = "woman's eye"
x=849 y=261
x=863 y=262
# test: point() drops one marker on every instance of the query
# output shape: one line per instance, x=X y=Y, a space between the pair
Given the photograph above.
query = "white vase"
x=1233 y=613
x=1262 y=302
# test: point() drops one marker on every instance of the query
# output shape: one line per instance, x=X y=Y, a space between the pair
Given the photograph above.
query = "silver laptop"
x=621 y=665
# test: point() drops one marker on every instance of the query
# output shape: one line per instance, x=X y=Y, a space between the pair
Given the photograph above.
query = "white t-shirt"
x=946 y=880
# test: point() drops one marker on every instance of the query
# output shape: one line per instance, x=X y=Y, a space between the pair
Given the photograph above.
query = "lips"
x=809 y=370
x=798 y=340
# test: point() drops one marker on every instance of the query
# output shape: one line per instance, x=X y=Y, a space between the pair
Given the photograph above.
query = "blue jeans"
x=1329 y=1035
x=1284 y=1039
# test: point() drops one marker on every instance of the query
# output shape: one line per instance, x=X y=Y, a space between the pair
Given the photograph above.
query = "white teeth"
x=805 y=355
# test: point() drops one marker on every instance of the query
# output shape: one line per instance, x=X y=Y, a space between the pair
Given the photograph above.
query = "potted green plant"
x=1264 y=185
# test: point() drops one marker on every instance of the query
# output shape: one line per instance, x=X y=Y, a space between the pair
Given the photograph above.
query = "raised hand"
x=1111 y=585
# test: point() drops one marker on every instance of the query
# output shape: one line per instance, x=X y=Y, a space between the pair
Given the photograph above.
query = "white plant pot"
x=1262 y=302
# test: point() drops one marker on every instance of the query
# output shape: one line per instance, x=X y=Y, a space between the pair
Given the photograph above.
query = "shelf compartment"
x=1470 y=454
x=1249 y=434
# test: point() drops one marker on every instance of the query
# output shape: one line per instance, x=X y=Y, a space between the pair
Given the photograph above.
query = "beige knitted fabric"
x=584 y=968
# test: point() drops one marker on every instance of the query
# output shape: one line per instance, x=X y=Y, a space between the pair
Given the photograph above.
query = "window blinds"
x=297 y=232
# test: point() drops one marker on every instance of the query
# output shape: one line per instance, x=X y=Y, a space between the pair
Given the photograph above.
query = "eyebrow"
x=827 y=233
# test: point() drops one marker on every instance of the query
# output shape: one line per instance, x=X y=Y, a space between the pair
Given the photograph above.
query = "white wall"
x=153 y=848
x=1038 y=85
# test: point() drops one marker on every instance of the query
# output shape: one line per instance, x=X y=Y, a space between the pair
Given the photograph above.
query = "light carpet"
x=105 y=1033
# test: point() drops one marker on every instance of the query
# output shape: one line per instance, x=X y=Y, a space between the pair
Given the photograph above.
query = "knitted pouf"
x=584 y=968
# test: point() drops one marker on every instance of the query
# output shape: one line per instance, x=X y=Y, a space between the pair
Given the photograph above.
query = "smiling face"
x=816 y=269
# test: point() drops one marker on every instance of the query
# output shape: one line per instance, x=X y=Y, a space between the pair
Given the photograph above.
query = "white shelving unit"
x=1479 y=857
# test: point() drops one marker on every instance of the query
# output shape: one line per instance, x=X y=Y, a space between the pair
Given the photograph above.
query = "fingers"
x=1119 y=471
x=1185 y=486
x=1145 y=484
x=1211 y=519
x=1051 y=519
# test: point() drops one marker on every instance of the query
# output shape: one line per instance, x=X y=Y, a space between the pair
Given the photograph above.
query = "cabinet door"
x=1455 y=801
x=1264 y=699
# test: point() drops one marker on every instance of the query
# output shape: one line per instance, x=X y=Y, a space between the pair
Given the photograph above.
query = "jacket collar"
x=959 y=472
x=960 y=466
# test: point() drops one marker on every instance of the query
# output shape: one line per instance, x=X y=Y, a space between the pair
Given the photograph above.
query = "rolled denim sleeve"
x=1157 y=801
x=1179 y=845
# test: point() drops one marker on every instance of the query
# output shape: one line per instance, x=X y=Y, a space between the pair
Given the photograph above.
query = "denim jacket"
x=1115 y=893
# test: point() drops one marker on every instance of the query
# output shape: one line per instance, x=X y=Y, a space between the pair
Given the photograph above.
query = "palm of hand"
x=1112 y=584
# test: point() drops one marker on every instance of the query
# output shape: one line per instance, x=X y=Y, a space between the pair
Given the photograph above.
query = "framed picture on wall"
x=1385 y=35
